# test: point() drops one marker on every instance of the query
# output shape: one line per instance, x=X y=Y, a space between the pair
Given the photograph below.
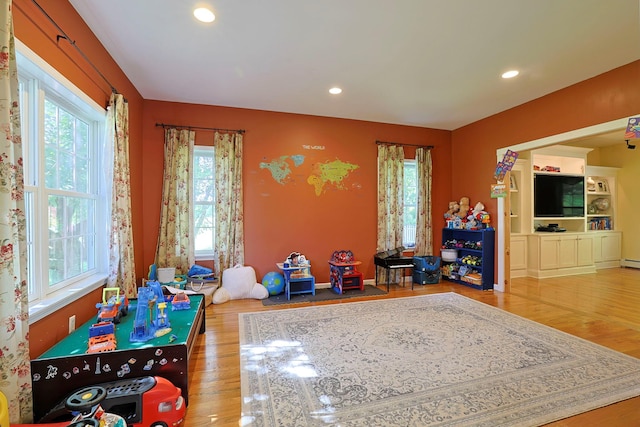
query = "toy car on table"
x=113 y=306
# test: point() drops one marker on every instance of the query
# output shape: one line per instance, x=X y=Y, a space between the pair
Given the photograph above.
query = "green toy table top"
x=181 y=322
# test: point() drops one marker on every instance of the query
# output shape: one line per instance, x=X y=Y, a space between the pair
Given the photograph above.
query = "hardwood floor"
x=603 y=308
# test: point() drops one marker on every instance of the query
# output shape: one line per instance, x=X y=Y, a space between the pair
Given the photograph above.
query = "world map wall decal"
x=323 y=175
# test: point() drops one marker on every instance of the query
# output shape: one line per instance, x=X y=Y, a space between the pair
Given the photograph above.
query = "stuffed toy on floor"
x=239 y=282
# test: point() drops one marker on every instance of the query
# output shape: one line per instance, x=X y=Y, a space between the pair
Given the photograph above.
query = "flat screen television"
x=559 y=196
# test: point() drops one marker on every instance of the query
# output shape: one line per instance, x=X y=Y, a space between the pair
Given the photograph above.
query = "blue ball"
x=274 y=282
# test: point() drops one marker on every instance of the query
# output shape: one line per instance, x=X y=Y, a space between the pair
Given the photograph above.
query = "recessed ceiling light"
x=203 y=14
x=510 y=74
x=335 y=90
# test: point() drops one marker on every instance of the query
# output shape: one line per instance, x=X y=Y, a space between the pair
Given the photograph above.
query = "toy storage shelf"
x=482 y=242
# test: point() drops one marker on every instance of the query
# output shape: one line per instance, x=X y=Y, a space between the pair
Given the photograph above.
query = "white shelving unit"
x=590 y=240
x=601 y=198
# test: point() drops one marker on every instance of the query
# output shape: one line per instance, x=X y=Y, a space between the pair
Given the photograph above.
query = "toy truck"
x=113 y=306
x=102 y=337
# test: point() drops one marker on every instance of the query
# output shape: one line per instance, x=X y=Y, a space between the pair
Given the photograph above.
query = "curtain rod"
x=429 y=147
x=164 y=126
x=73 y=43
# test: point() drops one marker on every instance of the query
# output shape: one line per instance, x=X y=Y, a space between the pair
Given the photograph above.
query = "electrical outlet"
x=72 y=323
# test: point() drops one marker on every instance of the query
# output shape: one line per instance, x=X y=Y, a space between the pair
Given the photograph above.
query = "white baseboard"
x=632 y=263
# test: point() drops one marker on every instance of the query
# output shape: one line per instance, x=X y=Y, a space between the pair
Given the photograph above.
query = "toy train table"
x=67 y=366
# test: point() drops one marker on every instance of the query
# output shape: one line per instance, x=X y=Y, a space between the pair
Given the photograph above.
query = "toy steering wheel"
x=85 y=423
x=84 y=399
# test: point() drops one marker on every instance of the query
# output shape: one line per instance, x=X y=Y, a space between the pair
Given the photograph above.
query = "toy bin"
x=426 y=269
x=449 y=255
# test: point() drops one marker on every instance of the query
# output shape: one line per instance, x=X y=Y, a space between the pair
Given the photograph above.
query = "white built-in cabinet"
x=518 y=255
x=560 y=254
x=589 y=242
x=607 y=248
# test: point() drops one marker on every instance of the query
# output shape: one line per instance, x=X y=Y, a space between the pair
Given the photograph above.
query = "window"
x=410 y=204
x=65 y=199
x=204 y=201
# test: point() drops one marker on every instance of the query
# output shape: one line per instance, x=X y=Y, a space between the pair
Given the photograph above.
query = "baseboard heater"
x=632 y=263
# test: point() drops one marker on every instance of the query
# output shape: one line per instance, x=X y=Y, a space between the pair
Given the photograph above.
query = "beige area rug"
x=434 y=360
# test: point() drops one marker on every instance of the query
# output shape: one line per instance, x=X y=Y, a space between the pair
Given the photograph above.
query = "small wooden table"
x=67 y=366
x=297 y=279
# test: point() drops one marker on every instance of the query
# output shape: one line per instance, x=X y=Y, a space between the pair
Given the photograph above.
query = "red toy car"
x=85 y=406
x=141 y=402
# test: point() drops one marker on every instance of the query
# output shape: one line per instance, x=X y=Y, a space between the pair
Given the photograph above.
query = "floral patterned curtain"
x=122 y=267
x=229 y=249
x=174 y=239
x=424 y=232
x=15 y=381
x=390 y=201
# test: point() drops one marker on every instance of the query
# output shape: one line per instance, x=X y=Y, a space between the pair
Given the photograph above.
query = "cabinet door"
x=568 y=252
x=585 y=250
x=518 y=253
x=611 y=247
x=597 y=248
x=548 y=253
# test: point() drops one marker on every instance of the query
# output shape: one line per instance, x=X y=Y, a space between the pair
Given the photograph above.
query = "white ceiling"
x=429 y=63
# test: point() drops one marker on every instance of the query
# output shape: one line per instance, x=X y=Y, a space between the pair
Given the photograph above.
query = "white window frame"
x=204 y=255
x=38 y=79
x=409 y=230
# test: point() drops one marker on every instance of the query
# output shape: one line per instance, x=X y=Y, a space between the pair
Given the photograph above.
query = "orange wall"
x=279 y=218
x=33 y=28
x=609 y=96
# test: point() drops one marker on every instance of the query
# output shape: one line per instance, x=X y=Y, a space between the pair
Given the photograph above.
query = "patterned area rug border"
x=433 y=360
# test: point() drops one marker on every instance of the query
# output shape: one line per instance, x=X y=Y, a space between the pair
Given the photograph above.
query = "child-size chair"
x=344 y=273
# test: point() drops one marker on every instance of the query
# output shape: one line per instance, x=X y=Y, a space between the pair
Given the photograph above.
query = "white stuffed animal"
x=239 y=282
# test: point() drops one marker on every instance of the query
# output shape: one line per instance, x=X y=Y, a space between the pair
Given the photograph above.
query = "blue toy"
x=274 y=282
x=151 y=319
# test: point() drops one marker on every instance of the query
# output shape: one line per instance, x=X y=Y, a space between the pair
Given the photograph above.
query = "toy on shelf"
x=102 y=337
x=454 y=208
x=464 y=208
x=461 y=216
x=113 y=306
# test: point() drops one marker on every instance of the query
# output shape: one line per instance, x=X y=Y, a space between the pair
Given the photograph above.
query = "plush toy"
x=479 y=215
x=477 y=210
x=471 y=223
x=454 y=207
x=239 y=282
x=464 y=208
